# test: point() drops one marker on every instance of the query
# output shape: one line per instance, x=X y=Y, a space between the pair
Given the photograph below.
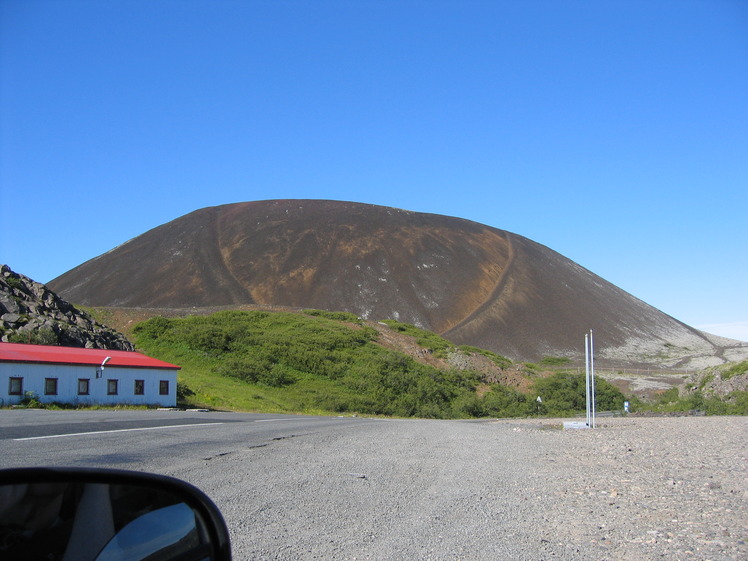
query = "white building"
x=84 y=376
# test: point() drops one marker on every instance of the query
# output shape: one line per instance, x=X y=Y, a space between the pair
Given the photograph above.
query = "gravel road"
x=632 y=489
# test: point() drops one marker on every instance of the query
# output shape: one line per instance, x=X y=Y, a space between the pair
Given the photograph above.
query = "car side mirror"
x=63 y=514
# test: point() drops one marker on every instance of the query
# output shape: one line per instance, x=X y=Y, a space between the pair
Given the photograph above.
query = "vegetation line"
x=331 y=363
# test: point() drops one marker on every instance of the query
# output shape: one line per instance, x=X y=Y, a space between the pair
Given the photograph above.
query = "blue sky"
x=613 y=132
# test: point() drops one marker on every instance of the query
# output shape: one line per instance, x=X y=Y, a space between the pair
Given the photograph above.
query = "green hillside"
x=321 y=363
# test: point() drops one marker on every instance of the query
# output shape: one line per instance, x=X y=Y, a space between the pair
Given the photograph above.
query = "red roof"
x=21 y=352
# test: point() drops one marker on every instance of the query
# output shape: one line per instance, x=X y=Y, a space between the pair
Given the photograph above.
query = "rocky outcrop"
x=719 y=381
x=31 y=313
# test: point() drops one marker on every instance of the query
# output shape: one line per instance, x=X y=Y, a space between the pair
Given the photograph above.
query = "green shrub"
x=502 y=401
x=153 y=328
x=555 y=361
x=468 y=405
x=738 y=403
x=15 y=282
x=706 y=380
x=43 y=336
x=669 y=396
x=735 y=369
x=670 y=401
x=336 y=316
x=564 y=393
x=31 y=400
x=500 y=361
x=427 y=339
x=208 y=339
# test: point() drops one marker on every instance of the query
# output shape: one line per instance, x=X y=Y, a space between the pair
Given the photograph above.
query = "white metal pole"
x=592 y=378
x=587 y=375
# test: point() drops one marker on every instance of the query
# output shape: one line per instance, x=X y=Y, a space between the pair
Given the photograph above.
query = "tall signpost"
x=587 y=374
x=593 y=399
x=589 y=368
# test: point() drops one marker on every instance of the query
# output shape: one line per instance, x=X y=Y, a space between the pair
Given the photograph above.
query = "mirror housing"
x=71 y=514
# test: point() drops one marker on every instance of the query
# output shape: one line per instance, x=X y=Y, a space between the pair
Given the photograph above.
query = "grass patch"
x=337 y=316
x=308 y=363
x=735 y=370
x=319 y=362
x=555 y=361
x=439 y=346
x=497 y=359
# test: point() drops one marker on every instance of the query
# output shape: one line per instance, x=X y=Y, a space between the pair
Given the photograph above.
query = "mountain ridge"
x=473 y=283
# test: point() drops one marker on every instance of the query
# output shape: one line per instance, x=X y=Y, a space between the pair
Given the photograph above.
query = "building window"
x=163 y=387
x=111 y=387
x=139 y=387
x=83 y=386
x=50 y=386
x=16 y=386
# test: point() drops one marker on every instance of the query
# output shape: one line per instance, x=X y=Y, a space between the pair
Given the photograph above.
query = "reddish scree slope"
x=472 y=283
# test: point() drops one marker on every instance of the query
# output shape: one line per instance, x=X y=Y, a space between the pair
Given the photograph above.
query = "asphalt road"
x=142 y=440
x=297 y=487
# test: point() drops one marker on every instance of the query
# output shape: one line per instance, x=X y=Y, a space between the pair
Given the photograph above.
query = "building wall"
x=34 y=376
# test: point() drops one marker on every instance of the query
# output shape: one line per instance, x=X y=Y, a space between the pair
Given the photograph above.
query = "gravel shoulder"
x=632 y=489
x=646 y=488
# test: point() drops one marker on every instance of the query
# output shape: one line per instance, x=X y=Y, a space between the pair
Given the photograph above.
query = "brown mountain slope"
x=475 y=284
